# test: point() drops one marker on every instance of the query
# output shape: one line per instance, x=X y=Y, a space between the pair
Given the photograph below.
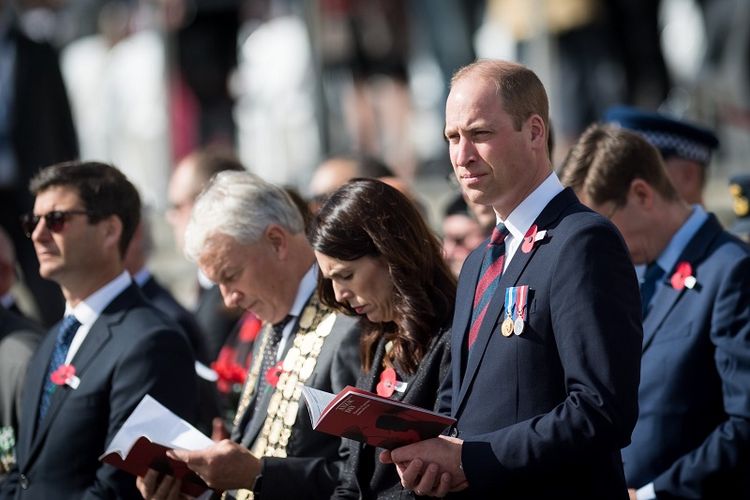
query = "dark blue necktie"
x=65 y=333
x=652 y=276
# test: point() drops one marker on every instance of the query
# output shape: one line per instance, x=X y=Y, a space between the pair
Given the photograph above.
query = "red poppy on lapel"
x=683 y=276
x=387 y=383
x=532 y=236
x=65 y=375
x=273 y=373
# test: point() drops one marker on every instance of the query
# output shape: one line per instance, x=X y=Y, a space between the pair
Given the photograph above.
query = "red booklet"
x=372 y=419
x=144 y=438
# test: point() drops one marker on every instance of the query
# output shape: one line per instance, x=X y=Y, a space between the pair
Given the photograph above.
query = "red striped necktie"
x=489 y=277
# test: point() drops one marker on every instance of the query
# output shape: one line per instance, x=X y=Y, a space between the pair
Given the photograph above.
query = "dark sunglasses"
x=54 y=220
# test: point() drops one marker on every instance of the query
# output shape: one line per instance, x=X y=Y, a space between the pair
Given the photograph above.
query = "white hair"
x=240 y=205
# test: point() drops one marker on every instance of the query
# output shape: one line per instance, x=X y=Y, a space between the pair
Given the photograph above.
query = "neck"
x=505 y=207
x=76 y=291
x=673 y=215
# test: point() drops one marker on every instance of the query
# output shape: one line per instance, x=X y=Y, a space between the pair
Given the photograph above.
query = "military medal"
x=522 y=297
x=507 y=327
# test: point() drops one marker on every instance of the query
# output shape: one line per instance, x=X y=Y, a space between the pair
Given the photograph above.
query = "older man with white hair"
x=248 y=237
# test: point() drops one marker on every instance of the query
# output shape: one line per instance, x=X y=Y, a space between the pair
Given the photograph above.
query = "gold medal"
x=290 y=359
x=308 y=315
x=306 y=344
x=325 y=326
x=275 y=434
x=507 y=327
x=291 y=383
x=518 y=326
x=273 y=405
x=307 y=369
x=291 y=414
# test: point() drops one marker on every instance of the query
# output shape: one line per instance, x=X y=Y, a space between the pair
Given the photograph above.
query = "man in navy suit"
x=692 y=439
x=110 y=350
x=543 y=409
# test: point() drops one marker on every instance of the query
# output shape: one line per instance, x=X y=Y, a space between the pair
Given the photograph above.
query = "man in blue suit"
x=545 y=356
x=110 y=350
x=692 y=439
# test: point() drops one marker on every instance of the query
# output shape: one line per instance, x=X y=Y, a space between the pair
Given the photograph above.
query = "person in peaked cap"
x=739 y=187
x=685 y=147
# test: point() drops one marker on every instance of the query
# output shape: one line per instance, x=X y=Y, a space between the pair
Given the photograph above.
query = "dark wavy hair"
x=366 y=217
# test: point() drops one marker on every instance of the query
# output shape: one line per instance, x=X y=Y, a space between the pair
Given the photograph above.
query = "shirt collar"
x=305 y=290
x=142 y=276
x=523 y=216
x=669 y=256
x=89 y=309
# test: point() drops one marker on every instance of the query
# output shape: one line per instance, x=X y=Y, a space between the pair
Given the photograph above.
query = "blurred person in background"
x=19 y=338
x=462 y=233
x=36 y=129
x=8 y=269
x=188 y=179
x=366 y=238
x=136 y=263
x=336 y=171
x=739 y=188
x=686 y=148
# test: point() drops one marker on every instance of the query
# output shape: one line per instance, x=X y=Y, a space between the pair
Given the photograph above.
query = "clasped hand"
x=429 y=468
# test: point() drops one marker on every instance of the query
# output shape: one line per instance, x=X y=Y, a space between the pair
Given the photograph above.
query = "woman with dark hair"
x=378 y=259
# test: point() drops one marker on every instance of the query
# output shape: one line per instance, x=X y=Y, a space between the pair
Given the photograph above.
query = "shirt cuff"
x=646 y=492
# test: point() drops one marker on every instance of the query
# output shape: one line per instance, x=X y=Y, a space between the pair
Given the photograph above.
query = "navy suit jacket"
x=692 y=438
x=131 y=350
x=544 y=414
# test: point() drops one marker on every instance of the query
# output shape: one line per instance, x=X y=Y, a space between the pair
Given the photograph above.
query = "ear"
x=641 y=194
x=537 y=131
x=112 y=228
x=278 y=239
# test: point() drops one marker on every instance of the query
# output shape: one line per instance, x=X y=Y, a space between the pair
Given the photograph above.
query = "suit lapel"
x=496 y=306
x=97 y=337
x=665 y=297
x=34 y=384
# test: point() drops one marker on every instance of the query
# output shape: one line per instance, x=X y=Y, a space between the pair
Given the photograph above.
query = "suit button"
x=23 y=481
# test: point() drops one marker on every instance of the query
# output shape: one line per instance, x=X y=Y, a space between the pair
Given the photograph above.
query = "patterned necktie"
x=652 y=275
x=489 y=277
x=65 y=333
x=270 y=353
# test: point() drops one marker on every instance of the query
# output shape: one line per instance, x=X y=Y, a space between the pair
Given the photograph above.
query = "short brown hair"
x=519 y=88
x=606 y=159
x=103 y=190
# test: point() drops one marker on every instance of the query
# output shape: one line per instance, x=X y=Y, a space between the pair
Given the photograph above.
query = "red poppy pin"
x=532 y=236
x=273 y=373
x=229 y=372
x=65 y=375
x=387 y=383
x=683 y=276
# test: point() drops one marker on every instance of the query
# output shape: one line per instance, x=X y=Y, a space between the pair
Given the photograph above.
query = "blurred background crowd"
x=286 y=84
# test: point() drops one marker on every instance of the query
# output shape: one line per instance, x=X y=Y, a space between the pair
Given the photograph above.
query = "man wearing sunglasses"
x=110 y=350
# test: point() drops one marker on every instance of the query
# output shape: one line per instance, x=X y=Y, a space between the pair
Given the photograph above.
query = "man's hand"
x=218 y=429
x=431 y=467
x=224 y=466
x=631 y=494
x=154 y=486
